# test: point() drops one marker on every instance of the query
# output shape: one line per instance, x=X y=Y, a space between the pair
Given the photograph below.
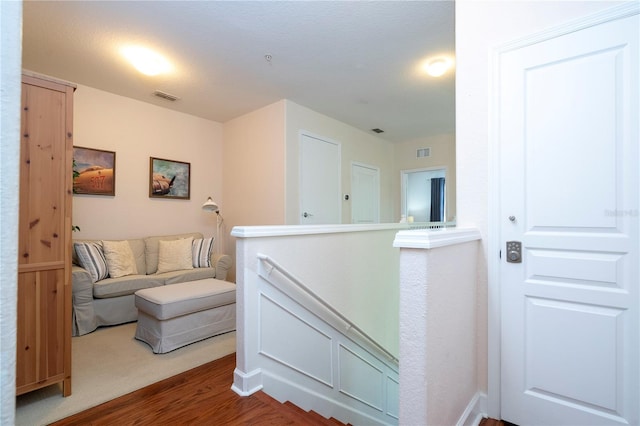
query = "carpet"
x=109 y=363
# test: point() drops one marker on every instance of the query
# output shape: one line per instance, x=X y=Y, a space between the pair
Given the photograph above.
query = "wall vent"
x=165 y=95
x=423 y=152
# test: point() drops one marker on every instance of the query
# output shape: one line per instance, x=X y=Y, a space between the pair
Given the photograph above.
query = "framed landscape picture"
x=94 y=171
x=169 y=179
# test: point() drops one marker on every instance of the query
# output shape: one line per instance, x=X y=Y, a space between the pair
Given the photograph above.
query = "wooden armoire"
x=44 y=247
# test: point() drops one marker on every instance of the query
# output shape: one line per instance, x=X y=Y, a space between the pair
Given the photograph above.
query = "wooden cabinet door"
x=44 y=264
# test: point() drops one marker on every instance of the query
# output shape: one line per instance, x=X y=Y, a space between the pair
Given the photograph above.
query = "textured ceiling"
x=354 y=61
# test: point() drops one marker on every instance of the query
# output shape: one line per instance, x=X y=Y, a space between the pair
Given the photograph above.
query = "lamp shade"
x=210 y=206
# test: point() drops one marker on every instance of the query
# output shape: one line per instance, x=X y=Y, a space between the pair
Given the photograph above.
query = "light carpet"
x=109 y=363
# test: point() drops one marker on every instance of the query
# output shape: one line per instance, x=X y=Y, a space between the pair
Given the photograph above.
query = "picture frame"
x=94 y=171
x=169 y=179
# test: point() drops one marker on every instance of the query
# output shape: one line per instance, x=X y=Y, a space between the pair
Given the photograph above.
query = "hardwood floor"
x=493 y=422
x=199 y=396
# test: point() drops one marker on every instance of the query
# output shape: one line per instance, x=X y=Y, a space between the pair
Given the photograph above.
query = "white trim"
x=245 y=384
x=283 y=230
x=475 y=411
x=428 y=239
x=494 y=229
x=612 y=14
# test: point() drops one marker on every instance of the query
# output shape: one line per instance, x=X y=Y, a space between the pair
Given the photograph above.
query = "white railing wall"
x=318 y=318
x=438 y=342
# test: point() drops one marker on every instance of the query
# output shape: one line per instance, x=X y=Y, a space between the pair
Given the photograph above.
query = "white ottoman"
x=176 y=315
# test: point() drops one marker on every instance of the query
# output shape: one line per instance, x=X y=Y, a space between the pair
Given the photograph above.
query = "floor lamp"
x=212 y=206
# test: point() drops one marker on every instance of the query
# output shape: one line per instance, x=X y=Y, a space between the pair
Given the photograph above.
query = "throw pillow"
x=202 y=248
x=91 y=258
x=174 y=255
x=120 y=260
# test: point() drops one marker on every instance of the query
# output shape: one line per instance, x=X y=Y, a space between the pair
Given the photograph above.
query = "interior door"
x=568 y=135
x=319 y=181
x=365 y=193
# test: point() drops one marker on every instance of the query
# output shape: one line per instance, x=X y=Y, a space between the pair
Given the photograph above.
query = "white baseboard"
x=475 y=411
x=282 y=389
x=245 y=384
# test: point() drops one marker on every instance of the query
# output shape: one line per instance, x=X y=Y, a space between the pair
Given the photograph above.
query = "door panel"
x=319 y=181
x=365 y=194
x=569 y=182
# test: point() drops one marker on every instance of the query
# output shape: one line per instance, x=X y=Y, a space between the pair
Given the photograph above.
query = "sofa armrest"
x=222 y=263
x=84 y=318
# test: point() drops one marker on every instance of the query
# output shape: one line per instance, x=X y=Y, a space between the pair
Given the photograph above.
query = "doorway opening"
x=424 y=195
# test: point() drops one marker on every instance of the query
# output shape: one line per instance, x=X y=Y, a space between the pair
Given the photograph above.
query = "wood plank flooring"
x=490 y=422
x=199 y=396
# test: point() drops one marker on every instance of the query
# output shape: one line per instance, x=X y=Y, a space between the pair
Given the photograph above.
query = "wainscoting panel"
x=360 y=379
x=305 y=352
x=287 y=338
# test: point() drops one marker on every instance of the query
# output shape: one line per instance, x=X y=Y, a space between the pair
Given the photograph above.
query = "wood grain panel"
x=43 y=172
x=44 y=236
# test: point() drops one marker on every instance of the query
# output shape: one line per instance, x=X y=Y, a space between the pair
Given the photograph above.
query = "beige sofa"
x=110 y=301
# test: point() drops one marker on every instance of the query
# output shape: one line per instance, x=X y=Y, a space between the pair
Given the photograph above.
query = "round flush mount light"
x=437 y=67
x=146 y=60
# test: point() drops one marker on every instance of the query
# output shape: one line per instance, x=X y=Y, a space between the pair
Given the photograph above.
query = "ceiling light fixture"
x=146 y=61
x=437 y=67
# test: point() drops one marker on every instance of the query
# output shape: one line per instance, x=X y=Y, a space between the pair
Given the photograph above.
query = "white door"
x=568 y=135
x=319 y=181
x=365 y=193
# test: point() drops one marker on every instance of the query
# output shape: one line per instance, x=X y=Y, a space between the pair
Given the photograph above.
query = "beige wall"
x=356 y=145
x=443 y=154
x=253 y=172
x=136 y=131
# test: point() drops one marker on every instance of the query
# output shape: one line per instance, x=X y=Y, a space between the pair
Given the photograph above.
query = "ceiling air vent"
x=423 y=152
x=165 y=95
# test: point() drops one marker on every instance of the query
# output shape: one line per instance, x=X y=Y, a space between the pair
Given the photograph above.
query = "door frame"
x=494 y=236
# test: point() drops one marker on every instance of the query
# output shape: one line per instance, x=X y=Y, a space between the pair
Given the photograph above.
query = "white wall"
x=10 y=13
x=356 y=146
x=437 y=325
x=443 y=153
x=136 y=131
x=481 y=26
x=324 y=258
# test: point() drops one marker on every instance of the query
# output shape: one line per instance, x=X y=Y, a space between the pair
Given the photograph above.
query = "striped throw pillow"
x=91 y=257
x=202 y=248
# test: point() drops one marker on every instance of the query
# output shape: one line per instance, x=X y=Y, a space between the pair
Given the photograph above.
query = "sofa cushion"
x=174 y=255
x=91 y=257
x=189 y=275
x=176 y=300
x=202 y=249
x=120 y=260
x=151 y=248
x=137 y=247
x=122 y=286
